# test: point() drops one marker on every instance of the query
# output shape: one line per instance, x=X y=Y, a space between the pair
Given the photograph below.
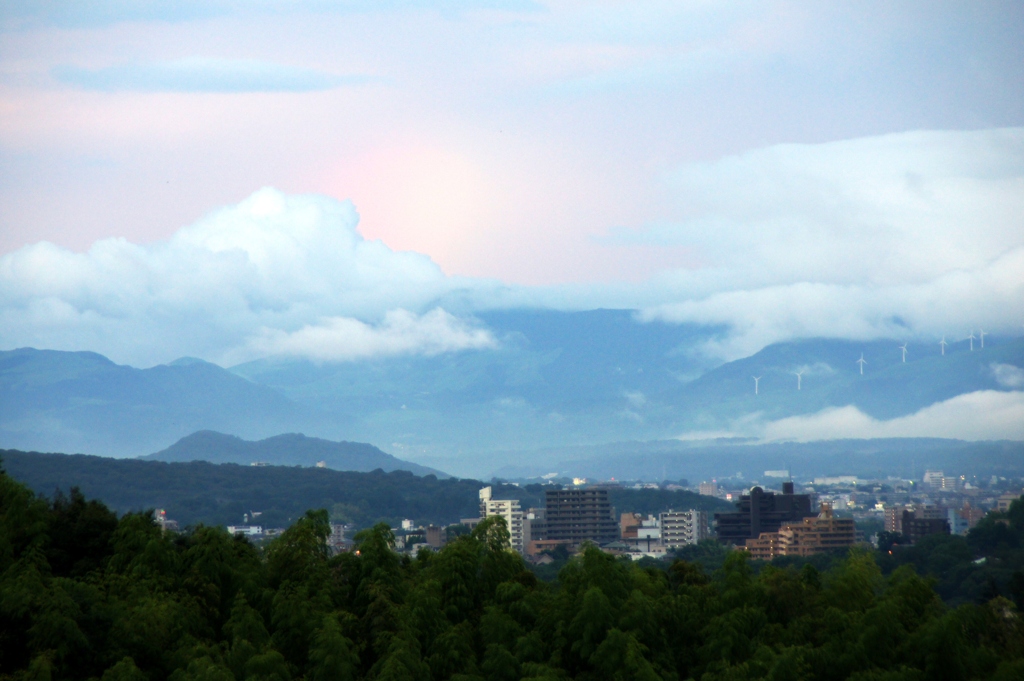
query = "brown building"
x=629 y=523
x=765 y=547
x=578 y=515
x=1004 y=501
x=970 y=514
x=894 y=519
x=762 y=511
x=806 y=538
x=436 y=536
x=914 y=528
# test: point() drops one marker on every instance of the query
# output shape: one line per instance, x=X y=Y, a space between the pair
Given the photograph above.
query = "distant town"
x=778 y=517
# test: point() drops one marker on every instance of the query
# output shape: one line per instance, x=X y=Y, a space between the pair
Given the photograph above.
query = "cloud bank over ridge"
x=918 y=233
x=915 y=234
x=981 y=415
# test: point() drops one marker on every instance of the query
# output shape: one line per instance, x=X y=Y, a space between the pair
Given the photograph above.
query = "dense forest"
x=85 y=594
x=218 y=494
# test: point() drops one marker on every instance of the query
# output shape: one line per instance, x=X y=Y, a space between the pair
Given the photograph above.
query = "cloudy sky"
x=343 y=179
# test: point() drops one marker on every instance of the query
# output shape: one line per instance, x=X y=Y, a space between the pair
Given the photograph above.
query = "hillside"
x=219 y=494
x=291 y=449
x=83 y=402
x=831 y=378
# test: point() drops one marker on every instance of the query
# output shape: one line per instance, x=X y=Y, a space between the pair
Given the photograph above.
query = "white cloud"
x=981 y=415
x=879 y=211
x=917 y=233
x=274 y=271
x=1008 y=375
x=400 y=333
x=816 y=369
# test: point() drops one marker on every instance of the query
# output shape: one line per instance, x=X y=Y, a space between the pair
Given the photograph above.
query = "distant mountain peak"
x=287 y=449
x=188 y=361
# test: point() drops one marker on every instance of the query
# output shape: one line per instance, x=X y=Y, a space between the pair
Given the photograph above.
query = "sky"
x=340 y=180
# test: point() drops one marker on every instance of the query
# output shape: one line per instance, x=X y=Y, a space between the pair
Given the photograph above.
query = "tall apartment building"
x=509 y=510
x=893 y=519
x=578 y=515
x=709 y=489
x=337 y=538
x=762 y=511
x=918 y=524
x=679 y=528
x=436 y=536
x=535 y=526
x=805 y=538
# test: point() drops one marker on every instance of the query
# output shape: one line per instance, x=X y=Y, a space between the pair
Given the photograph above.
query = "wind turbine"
x=798 y=375
x=942 y=344
x=862 y=362
x=904 y=349
x=982 y=334
x=756 y=379
x=971 y=338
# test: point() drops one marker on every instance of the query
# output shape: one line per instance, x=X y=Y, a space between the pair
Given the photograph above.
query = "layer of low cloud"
x=400 y=333
x=202 y=74
x=982 y=415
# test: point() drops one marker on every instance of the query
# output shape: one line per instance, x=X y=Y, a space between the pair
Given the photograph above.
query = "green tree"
x=333 y=656
x=125 y=670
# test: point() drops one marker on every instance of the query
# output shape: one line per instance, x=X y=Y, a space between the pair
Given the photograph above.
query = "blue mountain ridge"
x=289 y=449
x=554 y=379
x=83 y=402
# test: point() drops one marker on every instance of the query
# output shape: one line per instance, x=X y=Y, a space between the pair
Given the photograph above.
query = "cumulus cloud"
x=1007 y=375
x=981 y=415
x=273 y=273
x=400 y=333
x=202 y=74
x=919 y=233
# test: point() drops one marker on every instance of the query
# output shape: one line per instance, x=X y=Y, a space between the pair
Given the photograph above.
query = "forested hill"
x=291 y=449
x=88 y=595
x=219 y=494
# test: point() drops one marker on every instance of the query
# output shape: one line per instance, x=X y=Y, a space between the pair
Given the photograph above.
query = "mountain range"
x=552 y=380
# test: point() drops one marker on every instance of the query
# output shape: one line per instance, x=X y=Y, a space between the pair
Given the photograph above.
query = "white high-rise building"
x=679 y=528
x=508 y=509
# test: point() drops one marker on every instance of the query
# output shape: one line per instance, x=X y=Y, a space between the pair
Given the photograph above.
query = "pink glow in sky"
x=503 y=140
